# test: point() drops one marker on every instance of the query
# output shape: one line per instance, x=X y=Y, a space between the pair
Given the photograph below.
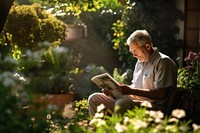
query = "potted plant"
x=189 y=79
x=50 y=74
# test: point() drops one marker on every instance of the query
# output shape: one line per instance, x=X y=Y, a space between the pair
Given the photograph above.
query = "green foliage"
x=50 y=61
x=77 y=7
x=150 y=15
x=81 y=108
x=4 y=43
x=98 y=22
x=142 y=120
x=125 y=78
x=13 y=99
x=117 y=76
x=112 y=4
x=116 y=20
x=31 y=25
x=157 y=17
x=82 y=84
x=99 y=38
x=49 y=69
x=188 y=77
x=137 y=120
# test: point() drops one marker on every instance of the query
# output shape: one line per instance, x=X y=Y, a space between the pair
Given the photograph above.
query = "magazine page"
x=105 y=81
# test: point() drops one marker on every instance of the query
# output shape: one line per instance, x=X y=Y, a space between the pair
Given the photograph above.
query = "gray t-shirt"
x=159 y=72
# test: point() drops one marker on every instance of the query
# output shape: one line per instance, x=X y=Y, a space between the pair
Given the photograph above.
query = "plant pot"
x=52 y=101
x=75 y=32
x=60 y=100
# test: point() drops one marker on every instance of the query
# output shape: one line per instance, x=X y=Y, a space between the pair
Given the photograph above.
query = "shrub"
x=188 y=77
x=13 y=100
x=30 y=24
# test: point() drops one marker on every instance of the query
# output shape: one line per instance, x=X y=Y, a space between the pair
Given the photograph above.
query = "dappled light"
x=51 y=49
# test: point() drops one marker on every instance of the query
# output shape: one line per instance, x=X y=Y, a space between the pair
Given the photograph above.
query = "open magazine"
x=105 y=81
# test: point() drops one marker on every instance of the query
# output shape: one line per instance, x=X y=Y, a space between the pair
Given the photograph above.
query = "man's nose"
x=134 y=53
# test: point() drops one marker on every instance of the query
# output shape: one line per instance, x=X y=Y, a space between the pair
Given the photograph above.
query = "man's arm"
x=157 y=94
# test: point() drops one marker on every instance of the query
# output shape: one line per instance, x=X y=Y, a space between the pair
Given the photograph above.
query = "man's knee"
x=93 y=97
x=122 y=105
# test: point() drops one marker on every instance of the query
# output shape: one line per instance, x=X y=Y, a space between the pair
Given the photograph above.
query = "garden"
x=50 y=50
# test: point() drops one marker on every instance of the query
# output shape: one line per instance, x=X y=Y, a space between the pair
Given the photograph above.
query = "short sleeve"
x=165 y=73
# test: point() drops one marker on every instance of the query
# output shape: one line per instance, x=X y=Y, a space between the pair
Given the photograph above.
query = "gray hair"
x=142 y=37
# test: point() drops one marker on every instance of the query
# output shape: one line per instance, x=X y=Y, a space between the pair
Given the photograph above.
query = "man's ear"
x=148 y=46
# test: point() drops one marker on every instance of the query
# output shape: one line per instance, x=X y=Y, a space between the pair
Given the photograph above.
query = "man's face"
x=139 y=52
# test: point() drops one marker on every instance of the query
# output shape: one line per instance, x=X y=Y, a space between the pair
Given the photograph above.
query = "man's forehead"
x=134 y=45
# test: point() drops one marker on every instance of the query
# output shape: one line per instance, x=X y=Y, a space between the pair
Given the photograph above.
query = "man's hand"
x=125 y=89
x=159 y=93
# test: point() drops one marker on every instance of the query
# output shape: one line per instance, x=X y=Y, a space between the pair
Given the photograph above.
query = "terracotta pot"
x=43 y=102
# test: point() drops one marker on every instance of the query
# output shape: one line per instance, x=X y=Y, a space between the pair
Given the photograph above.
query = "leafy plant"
x=126 y=77
x=149 y=15
x=188 y=77
x=13 y=100
x=82 y=84
x=142 y=120
x=50 y=70
x=81 y=108
x=32 y=24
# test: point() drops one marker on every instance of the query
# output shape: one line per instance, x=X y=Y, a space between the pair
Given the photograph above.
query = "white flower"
x=146 y=104
x=49 y=116
x=150 y=119
x=93 y=121
x=157 y=128
x=120 y=128
x=32 y=119
x=151 y=113
x=178 y=113
x=171 y=128
x=98 y=121
x=158 y=120
x=22 y=78
x=100 y=107
x=126 y=119
x=68 y=112
x=139 y=124
x=99 y=115
x=195 y=127
x=159 y=114
x=101 y=122
x=156 y=114
x=173 y=120
x=16 y=75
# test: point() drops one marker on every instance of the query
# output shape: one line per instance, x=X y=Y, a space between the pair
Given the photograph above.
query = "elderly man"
x=154 y=78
